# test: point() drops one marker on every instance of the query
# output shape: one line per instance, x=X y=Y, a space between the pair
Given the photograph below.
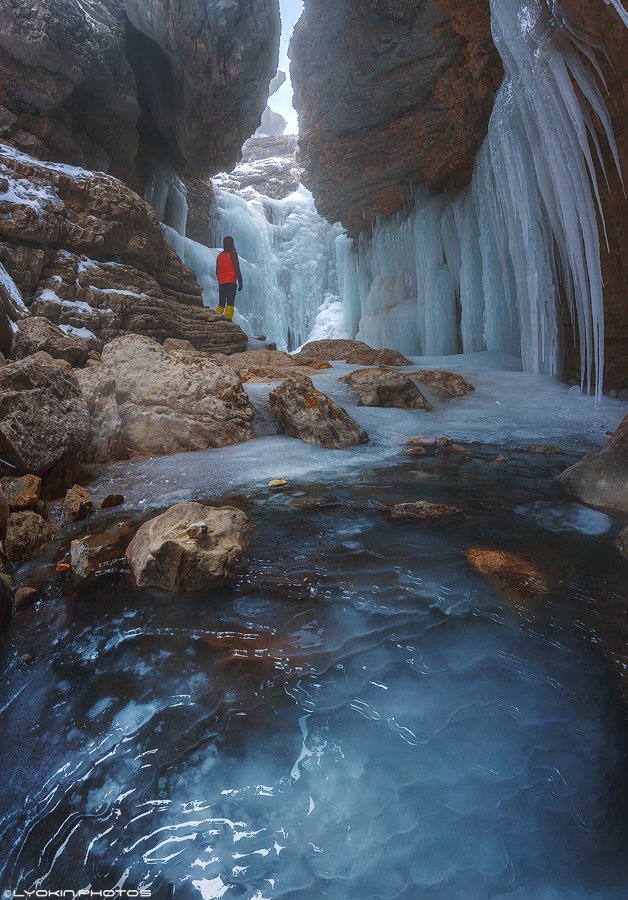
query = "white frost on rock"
x=83 y=333
x=14 y=305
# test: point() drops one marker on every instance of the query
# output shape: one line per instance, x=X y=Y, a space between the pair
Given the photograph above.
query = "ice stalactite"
x=167 y=194
x=486 y=269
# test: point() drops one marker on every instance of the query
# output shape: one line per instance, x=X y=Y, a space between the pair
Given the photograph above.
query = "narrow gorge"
x=318 y=590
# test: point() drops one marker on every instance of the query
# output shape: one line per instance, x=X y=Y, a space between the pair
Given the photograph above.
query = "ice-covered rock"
x=380 y=386
x=306 y=413
x=143 y=399
x=168 y=552
x=601 y=477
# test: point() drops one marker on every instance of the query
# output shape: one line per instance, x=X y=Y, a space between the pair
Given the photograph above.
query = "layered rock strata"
x=84 y=251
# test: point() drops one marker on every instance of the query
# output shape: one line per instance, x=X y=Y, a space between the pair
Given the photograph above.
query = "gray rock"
x=308 y=414
x=44 y=420
x=385 y=387
x=164 y=553
x=601 y=477
x=36 y=333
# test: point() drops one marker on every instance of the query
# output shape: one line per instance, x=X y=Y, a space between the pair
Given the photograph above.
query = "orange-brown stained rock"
x=508 y=570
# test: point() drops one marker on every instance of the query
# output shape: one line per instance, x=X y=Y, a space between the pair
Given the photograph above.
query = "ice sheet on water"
x=566 y=517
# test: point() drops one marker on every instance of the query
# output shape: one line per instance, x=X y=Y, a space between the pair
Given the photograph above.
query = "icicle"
x=167 y=194
x=621 y=12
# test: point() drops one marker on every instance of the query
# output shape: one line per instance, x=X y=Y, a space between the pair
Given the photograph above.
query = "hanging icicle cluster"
x=486 y=269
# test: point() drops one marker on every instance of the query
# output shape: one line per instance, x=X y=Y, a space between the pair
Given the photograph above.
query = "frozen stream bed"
x=361 y=715
x=508 y=409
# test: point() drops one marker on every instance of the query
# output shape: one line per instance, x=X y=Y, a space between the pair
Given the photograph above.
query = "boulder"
x=101 y=553
x=21 y=493
x=507 y=570
x=356 y=352
x=77 y=504
x=36 y=333
x=143 y=399
x=308 y=414
x=111 y=500
x=601 y=477
x=44 y=420
x=190 y=547
x=367 y=356
x=24 y=597
x=421 y=510
x=266 y=374
x=452 y=384
x=380 y=386
x=27 y=534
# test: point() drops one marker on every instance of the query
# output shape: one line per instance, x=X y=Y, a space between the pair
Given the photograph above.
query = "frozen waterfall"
x=485 y=269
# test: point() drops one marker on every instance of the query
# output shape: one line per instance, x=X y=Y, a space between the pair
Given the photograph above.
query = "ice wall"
x=485 y=269
x=288 y=257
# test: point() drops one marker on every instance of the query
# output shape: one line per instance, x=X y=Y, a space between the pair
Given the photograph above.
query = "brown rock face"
x=97 y=84
x=601 y=477
x=390 y=92
x=190 y=547
x=21 y=493
x=77 y=504
x=86 y=252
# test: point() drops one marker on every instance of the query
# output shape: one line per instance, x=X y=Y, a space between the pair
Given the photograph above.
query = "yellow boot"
x=229 y=312
x=220 y=310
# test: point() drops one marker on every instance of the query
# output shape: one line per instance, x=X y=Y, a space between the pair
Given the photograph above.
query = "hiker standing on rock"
x=229 y=275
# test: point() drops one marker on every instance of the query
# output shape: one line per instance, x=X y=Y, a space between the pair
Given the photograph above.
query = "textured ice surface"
x=358 y=718
x=509 y=408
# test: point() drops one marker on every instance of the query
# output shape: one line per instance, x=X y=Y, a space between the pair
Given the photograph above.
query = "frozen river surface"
x=361 y=715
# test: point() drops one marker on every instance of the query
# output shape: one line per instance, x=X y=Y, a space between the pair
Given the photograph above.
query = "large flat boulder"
x=191 y=547
x=601 y=477
x=308 y=414
x=379 y=386
x=44 y=420
x=143 y=399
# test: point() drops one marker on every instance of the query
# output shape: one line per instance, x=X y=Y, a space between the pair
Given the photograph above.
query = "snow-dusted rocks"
x=191 y=547
x=36 y=333
x=83 y=250
x=601 y=477
x=380 y=386
x=308 y=414
x=143 y=399
x=44 y=421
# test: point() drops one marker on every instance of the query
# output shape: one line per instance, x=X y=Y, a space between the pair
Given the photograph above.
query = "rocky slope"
x=390 y=92
x=105 y=83
x=83 y=250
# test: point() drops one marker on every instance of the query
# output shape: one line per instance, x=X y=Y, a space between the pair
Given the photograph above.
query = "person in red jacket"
x=229 y=276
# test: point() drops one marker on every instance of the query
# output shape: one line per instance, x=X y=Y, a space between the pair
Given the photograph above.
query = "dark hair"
x=228 y=244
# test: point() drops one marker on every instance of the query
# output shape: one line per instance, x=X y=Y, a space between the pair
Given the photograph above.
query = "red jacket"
x=228 y=268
